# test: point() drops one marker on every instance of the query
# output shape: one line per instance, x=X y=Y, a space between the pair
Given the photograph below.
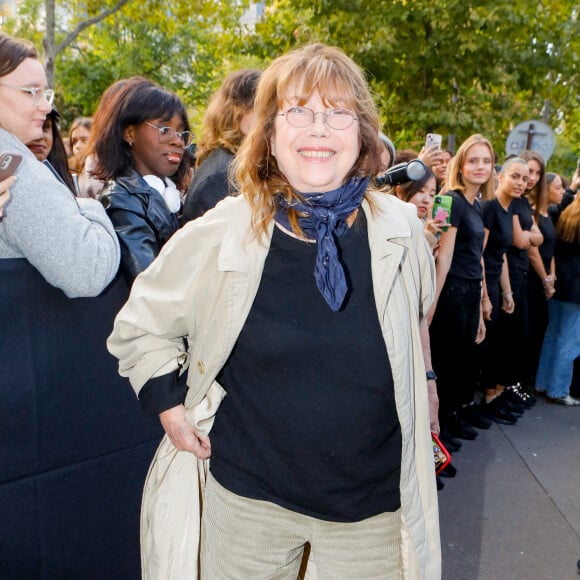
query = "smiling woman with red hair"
x=302 y=298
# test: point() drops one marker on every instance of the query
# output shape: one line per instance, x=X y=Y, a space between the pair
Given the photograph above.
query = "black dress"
x=74 y=446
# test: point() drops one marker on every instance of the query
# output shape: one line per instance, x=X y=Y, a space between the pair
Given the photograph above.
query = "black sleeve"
x=139 y=244
x=203 y=194
x=456 y=211
x=162 y=393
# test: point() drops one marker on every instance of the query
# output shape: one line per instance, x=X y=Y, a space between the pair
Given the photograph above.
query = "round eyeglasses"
x=166 y=134
x=36 y=93
x=301 y=117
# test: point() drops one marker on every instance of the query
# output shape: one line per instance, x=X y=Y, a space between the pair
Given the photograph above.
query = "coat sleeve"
x=150 y=330
x=71 y=242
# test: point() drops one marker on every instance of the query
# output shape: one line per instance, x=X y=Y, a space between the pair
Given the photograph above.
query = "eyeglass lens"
x=301 y=117
x=168 y=133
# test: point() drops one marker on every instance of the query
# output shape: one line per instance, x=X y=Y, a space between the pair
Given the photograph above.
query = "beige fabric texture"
x=202 y=286
x=248 y=538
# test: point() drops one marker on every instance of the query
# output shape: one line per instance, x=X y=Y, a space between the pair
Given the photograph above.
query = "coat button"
x=200 y=367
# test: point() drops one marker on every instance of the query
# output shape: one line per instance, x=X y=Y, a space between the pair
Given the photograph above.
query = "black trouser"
x=512 y=330
x=453 y=349
x=488 y=350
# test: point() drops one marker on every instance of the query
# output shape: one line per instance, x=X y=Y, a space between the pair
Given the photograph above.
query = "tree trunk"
x=49 y=42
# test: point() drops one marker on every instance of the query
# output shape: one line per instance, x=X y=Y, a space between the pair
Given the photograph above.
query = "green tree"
x=448 y=66
x=185 y=46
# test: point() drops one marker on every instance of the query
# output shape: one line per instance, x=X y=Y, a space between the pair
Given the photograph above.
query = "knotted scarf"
x=322 y=217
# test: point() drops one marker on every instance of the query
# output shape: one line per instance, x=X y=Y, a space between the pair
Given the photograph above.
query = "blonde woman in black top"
x=457 y=315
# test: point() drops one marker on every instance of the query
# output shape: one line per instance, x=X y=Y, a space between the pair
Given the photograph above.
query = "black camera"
x=402 y=173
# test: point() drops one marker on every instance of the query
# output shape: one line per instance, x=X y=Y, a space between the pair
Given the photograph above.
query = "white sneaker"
x=568 y=401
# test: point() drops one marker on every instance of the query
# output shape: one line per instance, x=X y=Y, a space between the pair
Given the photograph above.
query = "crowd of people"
x=507 y=269
x=244 y=267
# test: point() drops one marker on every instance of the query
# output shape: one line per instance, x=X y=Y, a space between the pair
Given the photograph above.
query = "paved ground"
x=513 y=511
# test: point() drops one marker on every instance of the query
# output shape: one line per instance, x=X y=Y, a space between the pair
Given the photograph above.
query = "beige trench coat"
x=202 y=286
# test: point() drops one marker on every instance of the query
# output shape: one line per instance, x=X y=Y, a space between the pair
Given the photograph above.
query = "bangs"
x=158 y=104
x=316 y=74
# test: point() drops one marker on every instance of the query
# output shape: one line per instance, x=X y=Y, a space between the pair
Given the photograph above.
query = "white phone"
x=433 y=139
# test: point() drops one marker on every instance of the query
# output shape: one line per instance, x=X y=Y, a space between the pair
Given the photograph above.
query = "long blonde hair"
x=568 y=226
x=340 y=82
x=455 y=179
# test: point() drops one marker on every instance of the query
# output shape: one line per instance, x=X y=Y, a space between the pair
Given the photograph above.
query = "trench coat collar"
x=391 y=225
x=241 y=250
x=235 y=254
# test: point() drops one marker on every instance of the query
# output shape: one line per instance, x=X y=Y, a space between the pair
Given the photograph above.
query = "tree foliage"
x=186 y=46
x=449 y=66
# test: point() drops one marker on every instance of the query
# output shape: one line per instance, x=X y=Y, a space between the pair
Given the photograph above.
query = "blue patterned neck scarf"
x=322 y=217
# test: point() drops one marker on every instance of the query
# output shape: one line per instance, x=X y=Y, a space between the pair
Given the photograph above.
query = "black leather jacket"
x=141 y=219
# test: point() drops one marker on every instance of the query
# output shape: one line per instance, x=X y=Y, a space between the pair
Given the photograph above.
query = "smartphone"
x=442 y=209
x=441 y=456
x=433 y=139
x=9 y=163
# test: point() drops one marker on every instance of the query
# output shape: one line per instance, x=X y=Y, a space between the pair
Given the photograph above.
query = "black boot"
x=499 y=413
x=473 y=415
x=460 y=428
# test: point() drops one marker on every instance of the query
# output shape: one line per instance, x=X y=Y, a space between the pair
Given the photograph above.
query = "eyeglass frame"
x=325 y=115
x=178 y=134
x=34 y=92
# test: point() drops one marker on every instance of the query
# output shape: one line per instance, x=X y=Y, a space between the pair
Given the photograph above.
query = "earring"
x=130 y=142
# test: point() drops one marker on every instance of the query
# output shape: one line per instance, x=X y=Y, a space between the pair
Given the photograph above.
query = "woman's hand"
x=548 y=285
x=430 y=155
x=5 y=192
x=435 y=227
x=507 y=302
x=183 y=436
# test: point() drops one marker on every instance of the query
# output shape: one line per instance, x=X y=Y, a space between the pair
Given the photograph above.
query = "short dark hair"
x=132 y=102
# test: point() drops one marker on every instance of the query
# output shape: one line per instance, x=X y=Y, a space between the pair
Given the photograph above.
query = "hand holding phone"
x=9 y=163
x=433 y=139
x=441 y=211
